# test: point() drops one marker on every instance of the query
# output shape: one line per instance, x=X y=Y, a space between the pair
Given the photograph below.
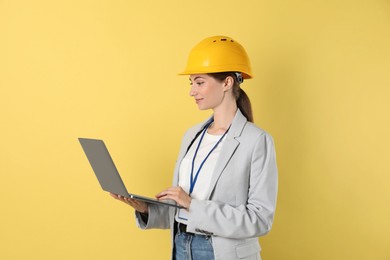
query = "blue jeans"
x=193 y=247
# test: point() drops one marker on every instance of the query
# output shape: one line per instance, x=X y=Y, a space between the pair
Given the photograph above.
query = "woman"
x=226 y=175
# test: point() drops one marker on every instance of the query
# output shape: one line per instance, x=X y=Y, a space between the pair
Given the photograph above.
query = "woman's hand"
x=177 y=194
x=139 y=206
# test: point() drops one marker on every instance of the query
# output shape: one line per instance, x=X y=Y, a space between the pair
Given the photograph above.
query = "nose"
x=192 y=91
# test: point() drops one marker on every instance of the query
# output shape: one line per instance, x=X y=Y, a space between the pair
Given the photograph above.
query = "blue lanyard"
x=192 y=179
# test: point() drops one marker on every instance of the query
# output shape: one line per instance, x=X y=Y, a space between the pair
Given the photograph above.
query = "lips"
x=197 y=100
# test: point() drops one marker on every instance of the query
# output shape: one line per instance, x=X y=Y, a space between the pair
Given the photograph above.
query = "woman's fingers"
x=136 y=204
x=177 y=194
x=170 y=192
x=118 y=197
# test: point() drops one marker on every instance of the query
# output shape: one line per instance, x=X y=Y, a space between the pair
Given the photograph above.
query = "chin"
x=203 y=108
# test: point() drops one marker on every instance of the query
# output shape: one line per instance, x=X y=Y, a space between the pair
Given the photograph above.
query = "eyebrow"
x=197 y=77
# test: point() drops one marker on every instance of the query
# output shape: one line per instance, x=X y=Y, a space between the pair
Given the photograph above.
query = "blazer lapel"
x=229 y=146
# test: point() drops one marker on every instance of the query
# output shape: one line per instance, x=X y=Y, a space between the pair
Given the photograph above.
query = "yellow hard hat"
x=218 y=54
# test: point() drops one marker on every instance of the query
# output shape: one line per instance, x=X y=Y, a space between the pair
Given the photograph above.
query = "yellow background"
x=107 y=69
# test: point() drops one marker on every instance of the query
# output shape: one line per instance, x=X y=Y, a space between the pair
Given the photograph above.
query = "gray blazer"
x=242 y=198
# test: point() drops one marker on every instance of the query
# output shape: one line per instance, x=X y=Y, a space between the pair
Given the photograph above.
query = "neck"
x=222 y=119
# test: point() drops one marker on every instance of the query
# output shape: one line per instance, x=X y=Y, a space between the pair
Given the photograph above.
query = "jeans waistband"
x=183 y=228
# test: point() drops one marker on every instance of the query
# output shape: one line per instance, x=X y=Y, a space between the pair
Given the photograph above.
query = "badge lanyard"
x=192 y=179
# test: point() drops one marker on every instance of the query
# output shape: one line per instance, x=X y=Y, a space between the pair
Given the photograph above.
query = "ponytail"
x=244 y=104
x=242 y=99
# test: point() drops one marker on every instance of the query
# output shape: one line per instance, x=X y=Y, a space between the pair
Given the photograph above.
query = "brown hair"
x=242 y=99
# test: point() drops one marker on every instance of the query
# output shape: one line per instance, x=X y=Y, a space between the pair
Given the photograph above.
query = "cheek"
x=212 y=92
x=218 y=94
x=213 y=89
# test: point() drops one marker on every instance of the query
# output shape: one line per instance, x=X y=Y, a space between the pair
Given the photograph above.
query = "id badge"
x=183 y=216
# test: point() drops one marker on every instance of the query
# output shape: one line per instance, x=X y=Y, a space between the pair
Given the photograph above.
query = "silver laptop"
x=107 y=174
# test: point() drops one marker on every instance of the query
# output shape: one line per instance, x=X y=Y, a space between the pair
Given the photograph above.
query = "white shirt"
x=202 y=185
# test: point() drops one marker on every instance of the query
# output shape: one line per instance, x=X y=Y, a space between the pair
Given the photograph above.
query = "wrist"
x=189 y=203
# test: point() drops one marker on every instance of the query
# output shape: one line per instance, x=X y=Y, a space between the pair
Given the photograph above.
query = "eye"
x=199 y=83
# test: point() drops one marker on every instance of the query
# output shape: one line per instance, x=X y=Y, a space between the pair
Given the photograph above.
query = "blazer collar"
x=236 y=127
x=238 y=124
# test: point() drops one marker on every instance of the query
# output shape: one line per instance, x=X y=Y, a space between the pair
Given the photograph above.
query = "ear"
x=228 y=83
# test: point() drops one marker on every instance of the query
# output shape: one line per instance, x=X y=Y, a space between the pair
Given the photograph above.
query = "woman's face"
x=207 y=91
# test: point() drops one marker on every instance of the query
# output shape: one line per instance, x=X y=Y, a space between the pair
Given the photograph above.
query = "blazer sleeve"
x=157 y=217
x=253 y=219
